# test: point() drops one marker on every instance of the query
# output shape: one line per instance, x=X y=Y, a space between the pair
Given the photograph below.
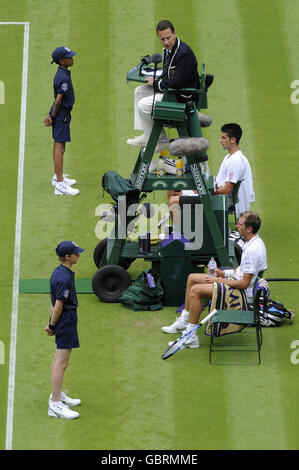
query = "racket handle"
x=207 y=318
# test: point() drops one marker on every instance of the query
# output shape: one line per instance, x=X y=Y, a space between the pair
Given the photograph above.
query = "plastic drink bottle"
x=150 y=280
x=144 y=243
x=179 y=171
x=212 y=266
x=161 y=167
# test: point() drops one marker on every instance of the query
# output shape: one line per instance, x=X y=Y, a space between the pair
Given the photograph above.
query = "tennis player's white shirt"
x=235 y=167
x=253 y=260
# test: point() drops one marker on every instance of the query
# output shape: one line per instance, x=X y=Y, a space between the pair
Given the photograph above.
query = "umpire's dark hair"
x=232 y=130
x=164 y=24
x=251 y=220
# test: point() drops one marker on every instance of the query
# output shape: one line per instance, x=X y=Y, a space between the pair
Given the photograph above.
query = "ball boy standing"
x=63 y=324
x=59 y=118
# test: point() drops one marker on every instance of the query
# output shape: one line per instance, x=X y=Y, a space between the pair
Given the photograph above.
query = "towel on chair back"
x=226 y=298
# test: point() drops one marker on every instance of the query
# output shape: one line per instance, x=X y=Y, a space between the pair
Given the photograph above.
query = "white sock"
x=185 y=315
x=56 y=403
x=190 y=327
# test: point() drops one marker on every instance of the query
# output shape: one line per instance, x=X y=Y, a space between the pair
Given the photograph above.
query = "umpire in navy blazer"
x=179 y=71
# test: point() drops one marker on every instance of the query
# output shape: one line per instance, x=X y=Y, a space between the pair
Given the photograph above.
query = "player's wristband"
x=229 y=273
x=52 y=117
x=216 y=186
x=51 y=327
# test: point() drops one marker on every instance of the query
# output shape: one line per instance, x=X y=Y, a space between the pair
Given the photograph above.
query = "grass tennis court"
x=131 y=399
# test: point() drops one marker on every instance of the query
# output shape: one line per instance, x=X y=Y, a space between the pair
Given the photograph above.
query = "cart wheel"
x=99 y=251
x=109 y=282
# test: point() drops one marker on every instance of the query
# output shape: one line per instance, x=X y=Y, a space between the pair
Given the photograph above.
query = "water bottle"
x=179 y=167
x=144 y=244
x=161 y=167
x=150 y=280
x=212 y=266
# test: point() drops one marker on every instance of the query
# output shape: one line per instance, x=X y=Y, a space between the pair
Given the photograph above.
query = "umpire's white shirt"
x=234 y=168
x=253 y=260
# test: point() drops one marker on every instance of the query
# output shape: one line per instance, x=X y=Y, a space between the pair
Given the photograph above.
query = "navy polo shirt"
x=63 y=84
x=62 y=287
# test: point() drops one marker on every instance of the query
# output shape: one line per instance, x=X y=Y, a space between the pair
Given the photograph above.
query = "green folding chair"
x=240 y=345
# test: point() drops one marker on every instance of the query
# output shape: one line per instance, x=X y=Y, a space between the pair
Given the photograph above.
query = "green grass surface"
x=131 y=399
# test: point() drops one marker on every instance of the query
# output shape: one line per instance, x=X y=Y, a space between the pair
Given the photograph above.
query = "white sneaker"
x=170 y=166
x=169 y=163
x=179 y=325
x=62 y=189
x=61 y=411
x=192 y=342
x=66 y=180
x=67 y=401
x=139 y=141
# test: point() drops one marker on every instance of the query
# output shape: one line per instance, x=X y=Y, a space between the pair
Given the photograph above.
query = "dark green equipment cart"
x=172 y=262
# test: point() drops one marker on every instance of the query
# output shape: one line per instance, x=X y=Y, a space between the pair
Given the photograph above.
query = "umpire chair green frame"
x=118 y=250
x=234 y=199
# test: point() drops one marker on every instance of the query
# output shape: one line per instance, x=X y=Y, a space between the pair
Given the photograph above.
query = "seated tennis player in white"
x=200 y=286
x=234 y=168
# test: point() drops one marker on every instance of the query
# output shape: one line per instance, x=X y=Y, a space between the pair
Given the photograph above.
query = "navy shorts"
x=61 y=127
x=66 y=333
x=68 y=339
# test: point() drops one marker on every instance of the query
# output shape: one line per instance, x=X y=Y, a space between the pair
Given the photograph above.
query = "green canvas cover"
x=116 y=186
x=140 y=296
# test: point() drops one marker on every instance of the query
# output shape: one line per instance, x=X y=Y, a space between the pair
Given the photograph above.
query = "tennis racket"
x=177 y=345
x=164 y=219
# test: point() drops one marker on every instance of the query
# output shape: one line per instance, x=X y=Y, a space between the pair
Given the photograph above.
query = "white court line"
x=17 y=250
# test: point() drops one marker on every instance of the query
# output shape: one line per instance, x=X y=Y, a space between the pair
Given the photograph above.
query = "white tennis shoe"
x=142 y=140
x=69 y=401
x=138 y=141
x=59 y=410
x=66 y=400
x=66 y=180
x=192 y=342
x=169 y=163
x=179 y=325
x=62 y=189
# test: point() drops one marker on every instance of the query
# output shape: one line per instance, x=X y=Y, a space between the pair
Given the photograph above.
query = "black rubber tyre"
x=109 y=282
x=99 y=251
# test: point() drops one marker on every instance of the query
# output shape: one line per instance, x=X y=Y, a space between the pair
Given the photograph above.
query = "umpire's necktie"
x=166 y=63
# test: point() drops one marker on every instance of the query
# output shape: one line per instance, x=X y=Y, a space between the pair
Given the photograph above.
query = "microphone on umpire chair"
x=188 y=146
x=156 y=58
x=204 y=119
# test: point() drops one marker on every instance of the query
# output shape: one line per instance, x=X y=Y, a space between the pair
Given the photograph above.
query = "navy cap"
x=62 y=53
x=68 y=248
